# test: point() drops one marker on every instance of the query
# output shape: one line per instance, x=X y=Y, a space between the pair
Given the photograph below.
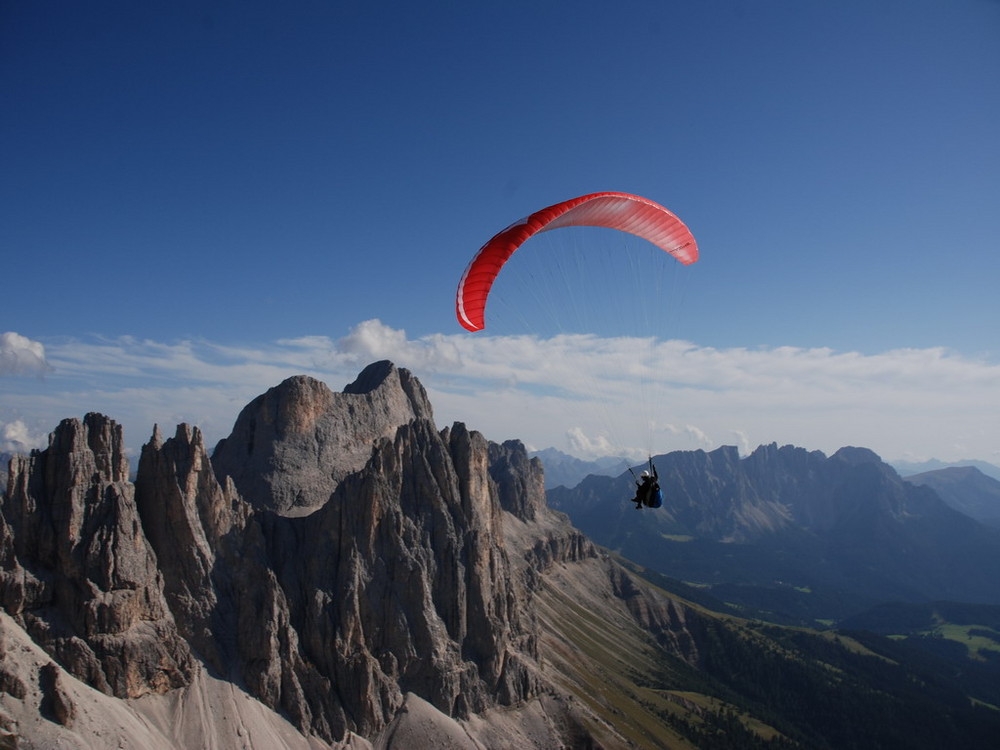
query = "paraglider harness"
x=647 y=491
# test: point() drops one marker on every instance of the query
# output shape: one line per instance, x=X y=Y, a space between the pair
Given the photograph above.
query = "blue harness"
x=656 y=499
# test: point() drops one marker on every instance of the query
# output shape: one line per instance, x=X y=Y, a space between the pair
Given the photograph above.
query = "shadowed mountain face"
x=966 y=489
x=794 y=533
x=342 y=573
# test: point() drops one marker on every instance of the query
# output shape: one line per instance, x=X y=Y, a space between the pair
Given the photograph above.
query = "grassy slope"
x=755 y=685
x=617 y=669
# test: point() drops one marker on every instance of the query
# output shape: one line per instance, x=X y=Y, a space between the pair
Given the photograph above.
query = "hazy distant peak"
x=855 y=456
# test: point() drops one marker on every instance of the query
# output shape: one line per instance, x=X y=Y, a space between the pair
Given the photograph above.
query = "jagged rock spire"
x=86 y=584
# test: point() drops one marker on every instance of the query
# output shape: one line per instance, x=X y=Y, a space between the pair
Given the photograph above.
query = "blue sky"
x=200 y=199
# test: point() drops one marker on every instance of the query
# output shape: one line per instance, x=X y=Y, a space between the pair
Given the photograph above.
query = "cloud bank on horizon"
x=571 y=392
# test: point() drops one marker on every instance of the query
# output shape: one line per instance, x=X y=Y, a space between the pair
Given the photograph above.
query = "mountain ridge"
x=909 y=468
x=562 y=469
x=433 y=597
x=806 y=535
x=966 y=489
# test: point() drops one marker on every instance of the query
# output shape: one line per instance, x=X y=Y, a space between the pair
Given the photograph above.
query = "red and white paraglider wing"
x=627 y=213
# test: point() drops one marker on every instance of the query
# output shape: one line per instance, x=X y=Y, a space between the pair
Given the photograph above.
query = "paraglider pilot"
x=647 y=490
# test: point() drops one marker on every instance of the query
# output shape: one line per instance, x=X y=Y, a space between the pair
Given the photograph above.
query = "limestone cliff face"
x=79 y=574
x=189 y=518
x=400 y=583
x=520 y=480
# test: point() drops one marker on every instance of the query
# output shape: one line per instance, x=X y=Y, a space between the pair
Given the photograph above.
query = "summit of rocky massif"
x=292 y=446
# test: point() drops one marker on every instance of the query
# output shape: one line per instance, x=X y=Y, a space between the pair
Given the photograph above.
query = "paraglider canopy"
x=621 y=211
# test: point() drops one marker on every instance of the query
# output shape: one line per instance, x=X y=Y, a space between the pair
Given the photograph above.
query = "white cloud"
x=742 y=442
x=698 y=436
x=18 y=438
x=597 y=446
x=580 y=393
x=20 y=355
x=372 y=340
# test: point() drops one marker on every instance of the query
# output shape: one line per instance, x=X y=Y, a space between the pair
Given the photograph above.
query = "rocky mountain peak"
x=385 y=374
x=94 y=443
x=857 y=456
x=293 y=445
x=965 y=488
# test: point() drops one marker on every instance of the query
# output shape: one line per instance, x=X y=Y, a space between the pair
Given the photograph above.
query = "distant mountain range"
x=793 y=535
x=966 y=489
x=568 y=471
x=561 y=469
x=909 y=468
